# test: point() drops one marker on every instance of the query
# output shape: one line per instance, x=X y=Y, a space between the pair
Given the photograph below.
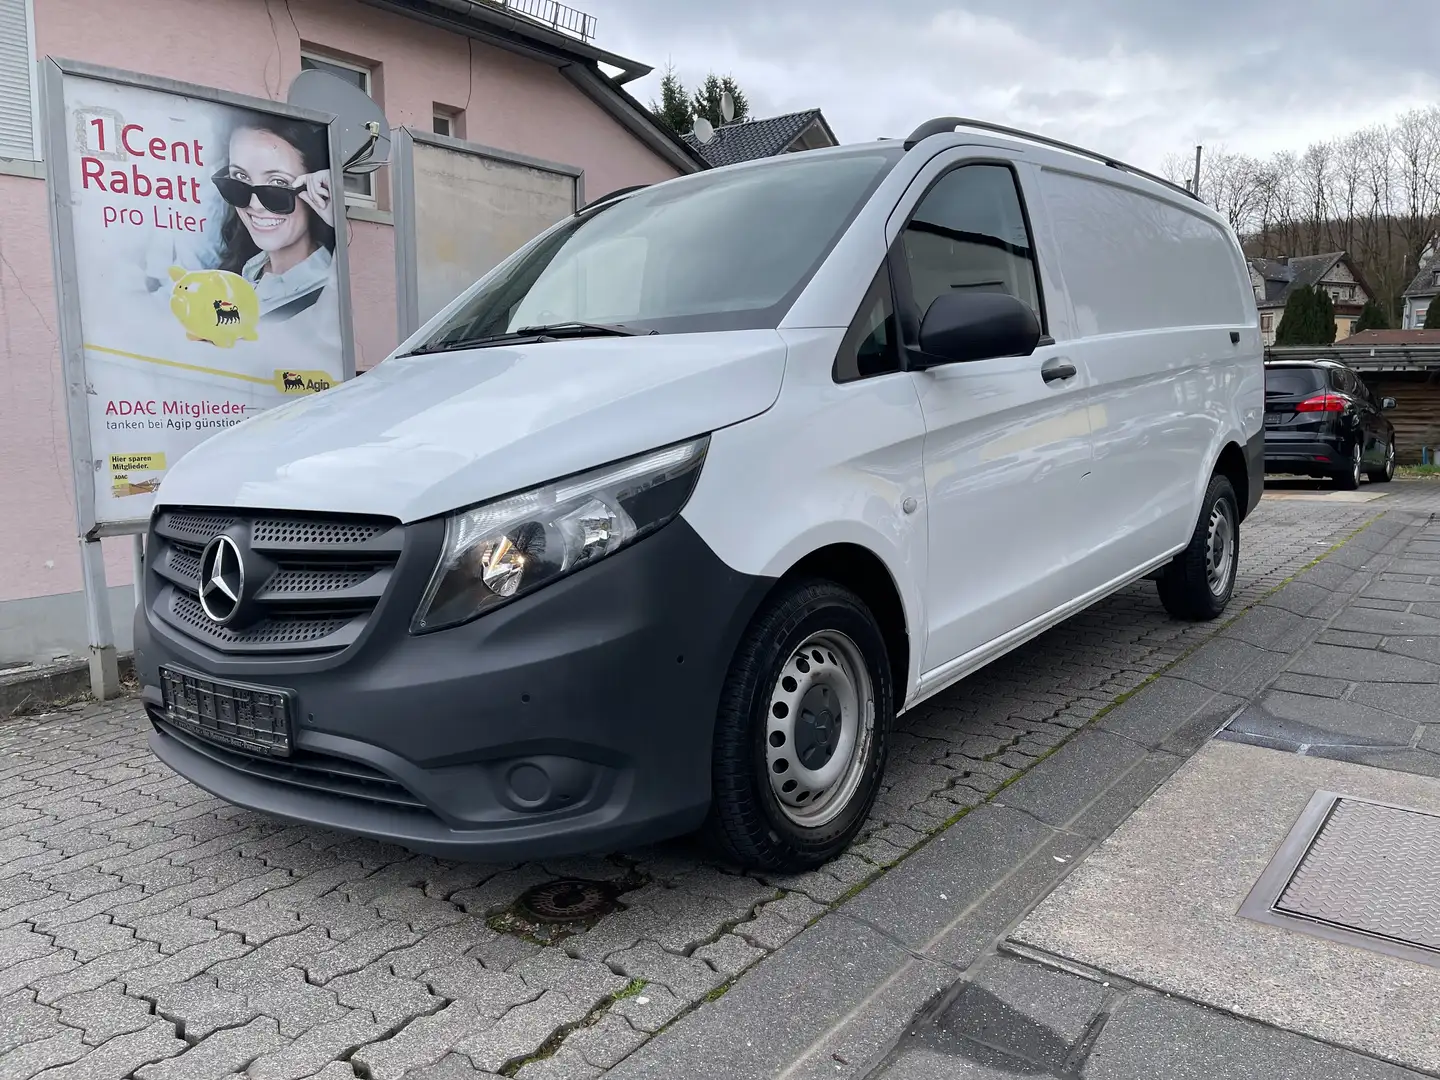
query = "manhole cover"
x=1359 y=872
x=567 y=900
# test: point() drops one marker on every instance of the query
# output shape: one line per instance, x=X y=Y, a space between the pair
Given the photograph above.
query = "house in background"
x=1420 y=294
x=1275 y=279
x=747 y=140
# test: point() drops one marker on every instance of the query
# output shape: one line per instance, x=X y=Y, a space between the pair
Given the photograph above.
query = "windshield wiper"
x=578 y=329
x=546 y=332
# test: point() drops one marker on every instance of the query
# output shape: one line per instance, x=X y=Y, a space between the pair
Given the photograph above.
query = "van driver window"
x=969 y=233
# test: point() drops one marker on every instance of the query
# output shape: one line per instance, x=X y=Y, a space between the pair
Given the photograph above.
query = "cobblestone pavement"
x=150 y=930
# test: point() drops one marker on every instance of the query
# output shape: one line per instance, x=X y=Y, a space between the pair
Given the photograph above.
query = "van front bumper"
x=578 y=719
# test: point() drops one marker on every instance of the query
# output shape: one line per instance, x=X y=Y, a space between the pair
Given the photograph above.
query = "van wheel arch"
x=864 y=573
x=1231 y=465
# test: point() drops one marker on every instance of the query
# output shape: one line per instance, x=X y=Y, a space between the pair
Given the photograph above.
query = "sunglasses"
x=278 y=200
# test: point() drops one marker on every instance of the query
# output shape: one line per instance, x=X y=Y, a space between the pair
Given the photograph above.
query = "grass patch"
x=633 y=990
x=718 y=992
x=1418 y=472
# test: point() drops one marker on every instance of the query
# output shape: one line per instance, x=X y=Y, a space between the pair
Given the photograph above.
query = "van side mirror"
x=1387 y=403
x=963 y=326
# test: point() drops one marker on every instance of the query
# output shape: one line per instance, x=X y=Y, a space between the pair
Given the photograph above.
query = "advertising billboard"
x=199 y=277
x=461 y=209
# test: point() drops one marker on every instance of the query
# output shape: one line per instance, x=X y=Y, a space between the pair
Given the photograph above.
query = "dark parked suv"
x=1321 y=420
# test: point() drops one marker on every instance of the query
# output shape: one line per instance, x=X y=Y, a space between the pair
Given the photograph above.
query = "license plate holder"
x=240 y=716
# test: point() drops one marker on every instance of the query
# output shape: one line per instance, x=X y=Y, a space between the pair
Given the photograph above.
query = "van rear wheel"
x=802 y=731
x=1199 y=582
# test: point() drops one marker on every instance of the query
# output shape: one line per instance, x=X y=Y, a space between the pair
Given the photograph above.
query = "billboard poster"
x=199 y=275
x=461 y=209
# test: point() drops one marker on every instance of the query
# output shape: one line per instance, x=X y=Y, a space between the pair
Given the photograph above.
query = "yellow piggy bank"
x=214 y=305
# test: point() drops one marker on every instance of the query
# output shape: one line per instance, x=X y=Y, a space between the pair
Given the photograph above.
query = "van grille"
x=311 y=581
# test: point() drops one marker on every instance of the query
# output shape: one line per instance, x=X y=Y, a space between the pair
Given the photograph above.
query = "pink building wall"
x=508 y=101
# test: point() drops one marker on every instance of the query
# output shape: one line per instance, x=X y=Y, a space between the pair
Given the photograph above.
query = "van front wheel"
x=1198 y=584
x=802 y=730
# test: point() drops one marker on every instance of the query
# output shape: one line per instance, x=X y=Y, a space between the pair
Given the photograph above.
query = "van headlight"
x=502 y=550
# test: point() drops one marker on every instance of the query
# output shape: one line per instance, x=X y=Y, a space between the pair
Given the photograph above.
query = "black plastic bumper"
x=577 y=719
x=1255 y=471
x=1305 y=455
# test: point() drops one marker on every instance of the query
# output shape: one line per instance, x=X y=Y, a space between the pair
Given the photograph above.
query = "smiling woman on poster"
x=279 y=232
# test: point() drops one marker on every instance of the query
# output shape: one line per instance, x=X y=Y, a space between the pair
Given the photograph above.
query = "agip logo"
x=292 y=383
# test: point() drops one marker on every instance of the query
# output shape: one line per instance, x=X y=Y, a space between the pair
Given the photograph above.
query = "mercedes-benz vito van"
x=661 y=523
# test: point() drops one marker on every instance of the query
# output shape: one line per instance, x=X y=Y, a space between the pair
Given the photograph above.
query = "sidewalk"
x=1138 y=965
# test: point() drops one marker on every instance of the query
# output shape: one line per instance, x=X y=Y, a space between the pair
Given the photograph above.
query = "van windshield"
x=728 y=250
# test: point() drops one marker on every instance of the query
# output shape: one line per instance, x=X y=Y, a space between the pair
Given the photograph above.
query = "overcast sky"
x=1135 y=78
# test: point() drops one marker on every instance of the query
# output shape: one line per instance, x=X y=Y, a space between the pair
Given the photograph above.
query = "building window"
x=19 y=97
x=359 y=188
x=448 y=121
x=1267 y=323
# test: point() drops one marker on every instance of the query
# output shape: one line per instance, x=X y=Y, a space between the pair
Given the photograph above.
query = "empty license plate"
x=1272 y=420
x=255 y=719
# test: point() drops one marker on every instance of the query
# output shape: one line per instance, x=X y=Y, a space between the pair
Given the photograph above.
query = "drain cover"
x=1359 y=872
x=568 y=900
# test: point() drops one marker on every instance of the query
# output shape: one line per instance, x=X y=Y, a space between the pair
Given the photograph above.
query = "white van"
x=662 y=523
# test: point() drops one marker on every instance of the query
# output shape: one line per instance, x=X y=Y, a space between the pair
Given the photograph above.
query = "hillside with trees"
x=1374 y=193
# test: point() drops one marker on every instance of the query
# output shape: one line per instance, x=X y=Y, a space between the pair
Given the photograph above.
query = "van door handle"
x=1057 y=370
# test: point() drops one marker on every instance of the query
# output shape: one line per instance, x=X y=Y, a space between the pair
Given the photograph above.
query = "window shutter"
x=17 y=81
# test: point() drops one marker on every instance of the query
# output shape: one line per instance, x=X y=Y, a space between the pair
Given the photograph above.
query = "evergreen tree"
x=706 y=100
x=1432 y=315
x=1324 y=318
x=1309 y=319
x=673 y=108
x=1372 y=317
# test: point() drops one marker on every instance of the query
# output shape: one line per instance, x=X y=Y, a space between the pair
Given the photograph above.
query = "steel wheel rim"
x=820 y=723
x=1219 y=547
x=1390 y=461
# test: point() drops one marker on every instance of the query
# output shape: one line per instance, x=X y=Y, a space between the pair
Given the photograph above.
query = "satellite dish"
x=704 y=130
x=727 y=106
x=364 y=133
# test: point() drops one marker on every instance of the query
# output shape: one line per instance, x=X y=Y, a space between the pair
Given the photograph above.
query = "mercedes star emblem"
x=222 y=579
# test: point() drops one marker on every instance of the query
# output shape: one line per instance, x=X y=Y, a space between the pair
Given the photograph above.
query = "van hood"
x=423 y=435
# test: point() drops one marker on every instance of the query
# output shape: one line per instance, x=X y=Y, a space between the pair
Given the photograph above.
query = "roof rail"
x=617 y=193
x=944 y=124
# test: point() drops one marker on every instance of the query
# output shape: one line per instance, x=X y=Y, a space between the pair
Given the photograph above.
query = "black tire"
x=1386 y=472
x=1348 y=479
x=1185 y=586
x=748 y=822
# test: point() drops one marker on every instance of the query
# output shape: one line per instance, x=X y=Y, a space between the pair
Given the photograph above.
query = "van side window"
x=870 y=345
x=969 y=232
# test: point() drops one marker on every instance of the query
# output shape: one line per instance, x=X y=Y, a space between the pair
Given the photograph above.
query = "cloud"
x=1139 y=79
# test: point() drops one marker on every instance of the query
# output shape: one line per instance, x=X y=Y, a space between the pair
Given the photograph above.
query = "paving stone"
x=583 y=980
x=94 y=937
x=103 y=1014
x=29 y=1058
x=391 y=998
x=440 y=947
x=422 y=1042
x=779 y=921
x=565 y=1064
x=686 y=976
x=185 y=964
x=450 y=1067
x=490 y=992
x=258 y=921
x=199 y=1007
x=220 y=1054
x=174 y=930
x=359 y=951
x=308 y=1054
x=650 y=1009
x=729 y=955
x=420 y=912
x=23 y=1020
x=95 y=973
x=259 y=966
x=122 y=1055
x=1294 y=719
x=605 y=1042
x=298 y=1005
x=521 y=1031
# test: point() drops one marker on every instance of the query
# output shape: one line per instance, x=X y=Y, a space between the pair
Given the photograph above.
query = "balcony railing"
x=561 y=17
